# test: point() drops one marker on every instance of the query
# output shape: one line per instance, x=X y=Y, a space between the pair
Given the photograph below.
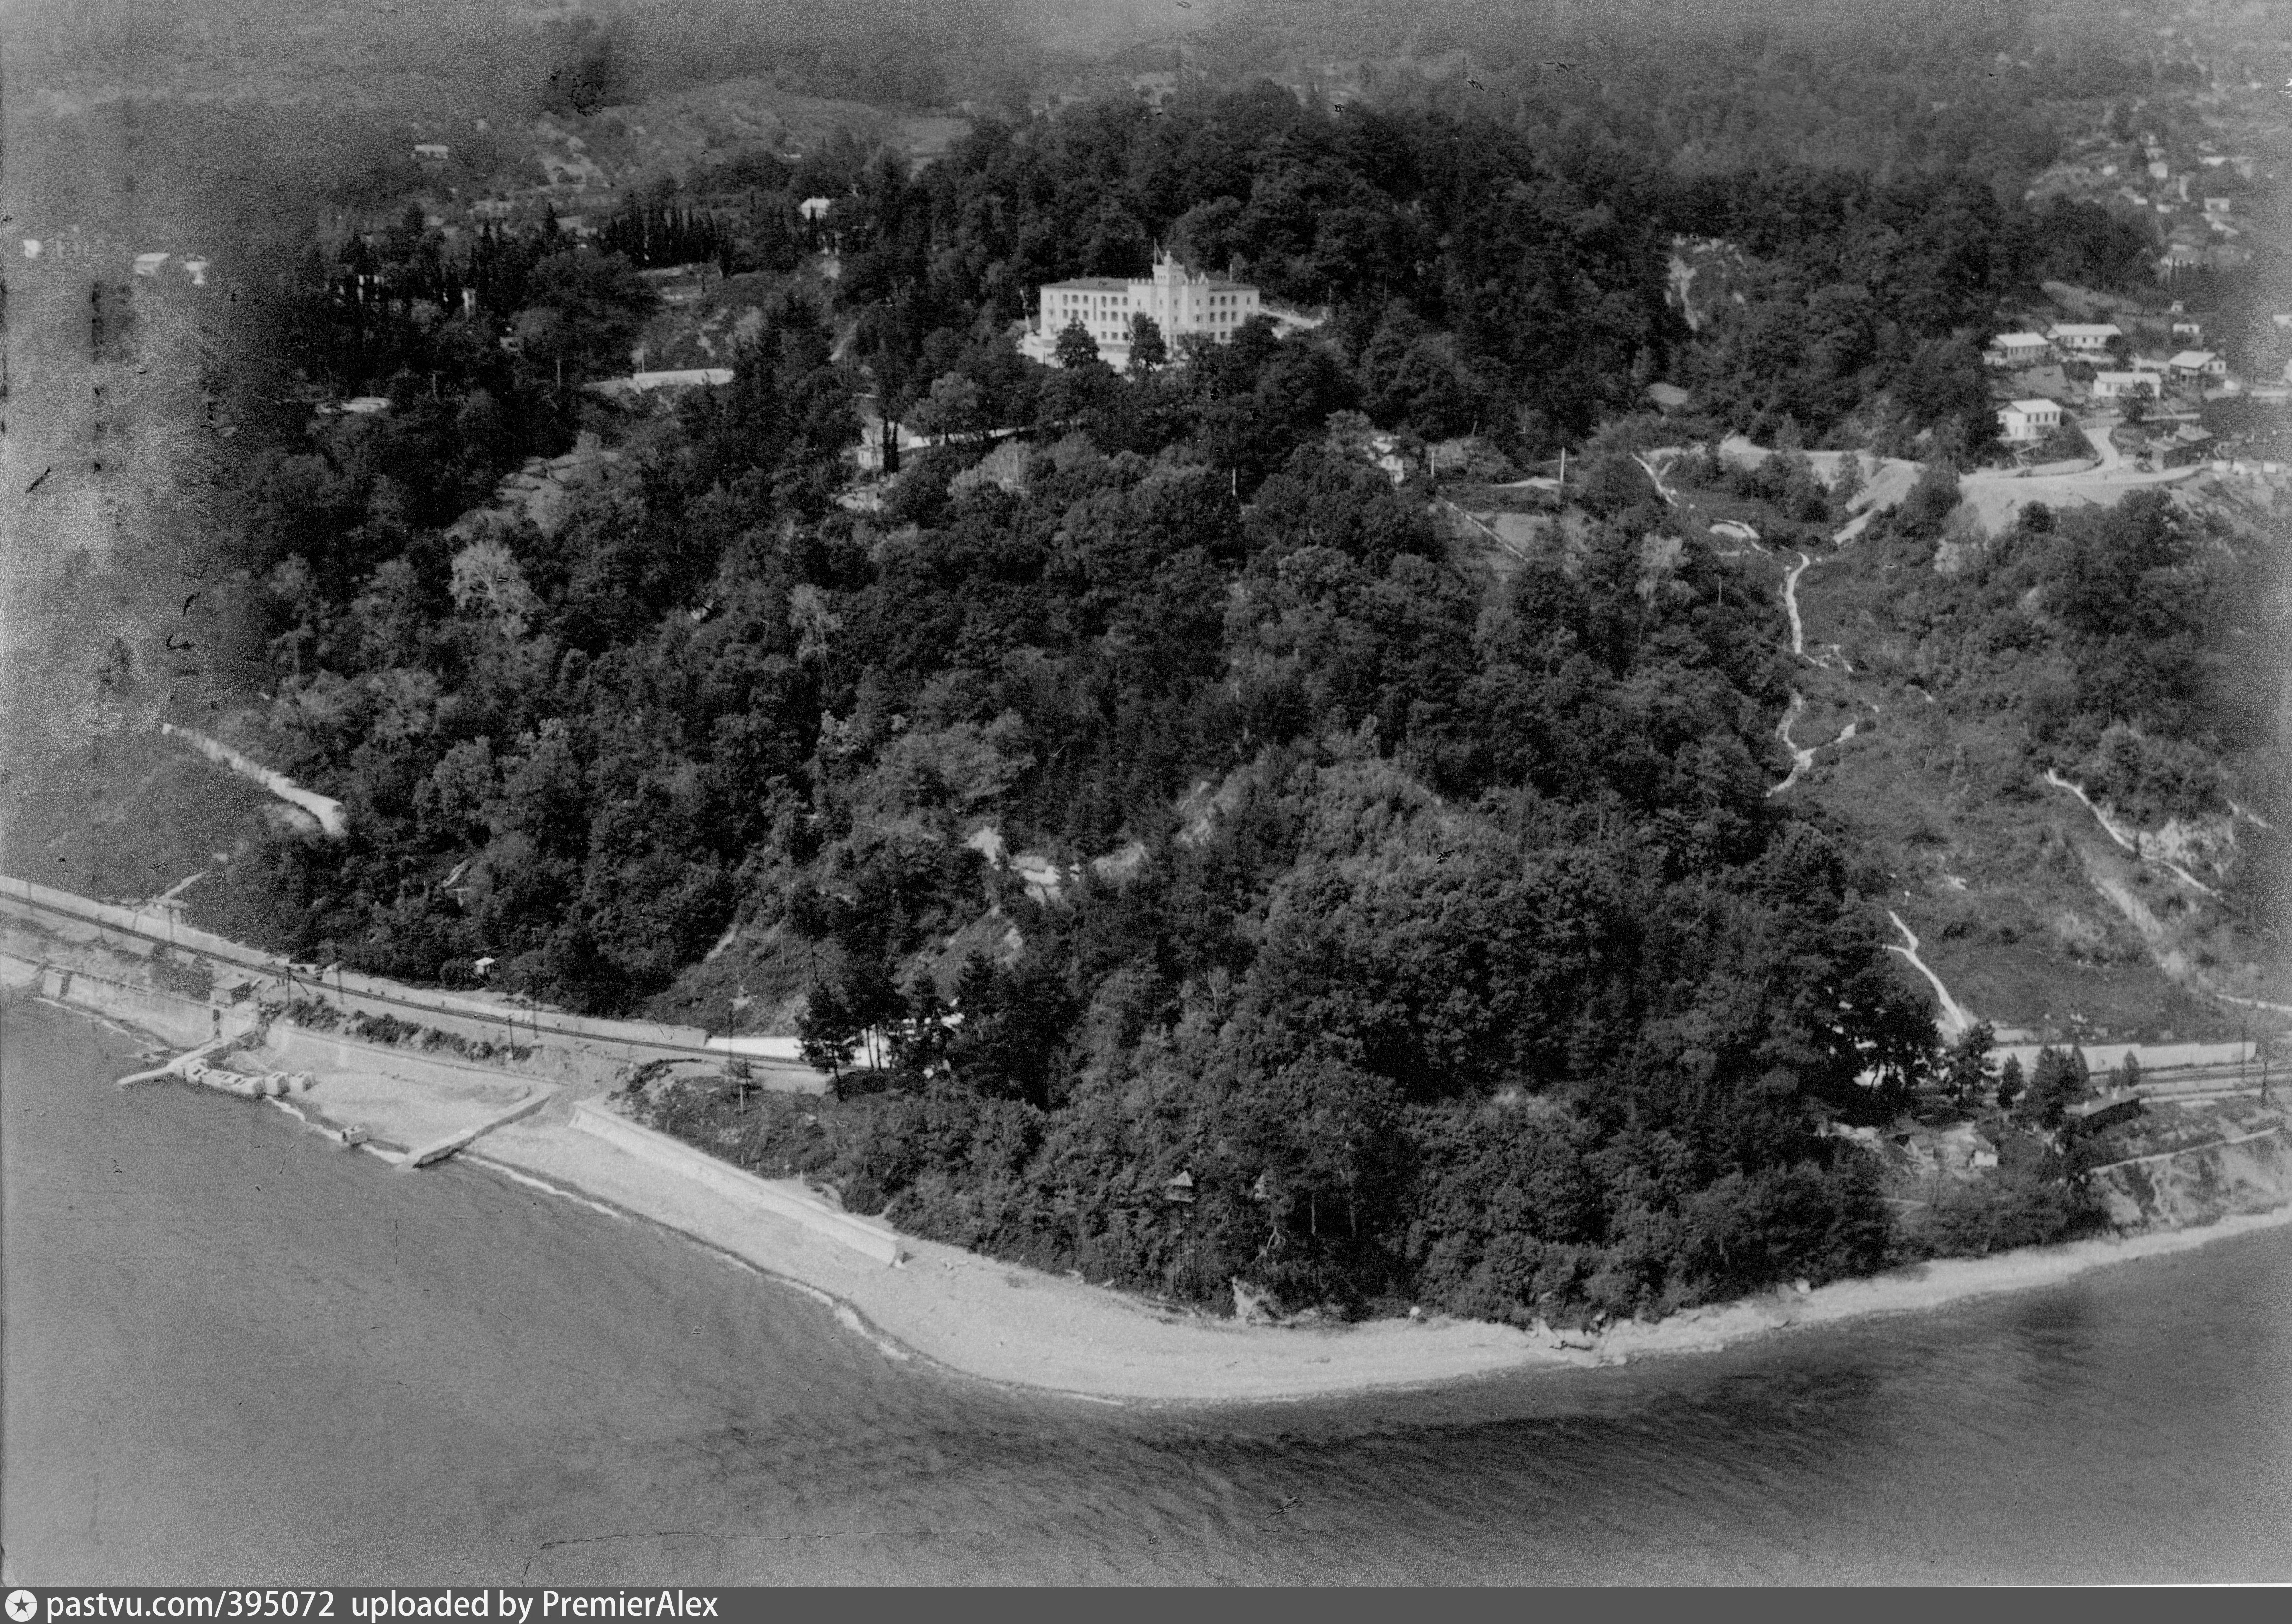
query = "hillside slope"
x=2043 y=904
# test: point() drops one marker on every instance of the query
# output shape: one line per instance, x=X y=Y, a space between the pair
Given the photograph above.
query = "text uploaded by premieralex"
x=52 y=1605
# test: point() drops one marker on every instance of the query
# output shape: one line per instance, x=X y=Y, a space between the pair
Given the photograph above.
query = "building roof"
x=1090 y=285
x=2019 y=338
x=2034 y=406
x=688 y=377
x=2125 y=377
x=2193 y=359
x=2086 y=329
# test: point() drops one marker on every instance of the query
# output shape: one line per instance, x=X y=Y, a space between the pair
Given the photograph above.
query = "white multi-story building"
x=1176 y=300
x=2025 y=420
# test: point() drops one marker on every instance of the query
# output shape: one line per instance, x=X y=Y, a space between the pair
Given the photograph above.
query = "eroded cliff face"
x=2248 y=1170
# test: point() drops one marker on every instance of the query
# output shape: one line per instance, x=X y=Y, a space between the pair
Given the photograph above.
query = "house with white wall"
x=2024 y=421
x=2083 y=338
x=2018 y=349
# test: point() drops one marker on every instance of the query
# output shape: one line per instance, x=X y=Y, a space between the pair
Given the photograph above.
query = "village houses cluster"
x=2196 y=192
x=2146 y=387
x=2157 y=401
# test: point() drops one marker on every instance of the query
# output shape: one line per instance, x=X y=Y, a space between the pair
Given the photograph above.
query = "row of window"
x=1069 y=300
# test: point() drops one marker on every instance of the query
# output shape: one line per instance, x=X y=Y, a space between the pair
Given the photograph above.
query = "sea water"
x=236 y=1356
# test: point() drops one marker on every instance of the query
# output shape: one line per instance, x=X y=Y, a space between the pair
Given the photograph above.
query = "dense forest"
x=1476 y=277
x=1413 y=931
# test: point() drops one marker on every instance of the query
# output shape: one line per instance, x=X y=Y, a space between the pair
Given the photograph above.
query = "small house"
x=2188 y=445
x=2018 y=349
x=2026 y=421
x=2198 y=364
x=1385 y=452
x=2192 y=331
x=2120 y=386
x=431 y=151
x=1962 y=1150
x=2087 y=338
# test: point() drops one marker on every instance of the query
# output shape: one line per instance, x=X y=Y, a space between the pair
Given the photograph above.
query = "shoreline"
x=967 y=1316
x=1029 y=1332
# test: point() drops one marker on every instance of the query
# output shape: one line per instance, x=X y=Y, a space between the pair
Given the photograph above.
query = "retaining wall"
x=564 y=1048
x=182 y=1021
x=189 y=1023
x=746 y=1189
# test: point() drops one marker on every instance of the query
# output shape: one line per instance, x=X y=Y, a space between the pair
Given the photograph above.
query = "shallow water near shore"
x=233 y=1354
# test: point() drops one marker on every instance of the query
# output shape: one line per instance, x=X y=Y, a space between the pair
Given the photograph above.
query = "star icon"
x=23 y=1605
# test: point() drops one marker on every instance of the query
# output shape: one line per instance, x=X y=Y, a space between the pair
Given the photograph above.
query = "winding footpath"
x=1955 y=1020
x=2135 y=842
x=2132 y=842
x=1656 y=479
x=325 y=809
x=1801 y=759
x=1801 y=756
x=1790 y=605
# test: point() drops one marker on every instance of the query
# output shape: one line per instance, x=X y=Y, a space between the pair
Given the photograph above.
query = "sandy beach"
x=1019 y=1326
